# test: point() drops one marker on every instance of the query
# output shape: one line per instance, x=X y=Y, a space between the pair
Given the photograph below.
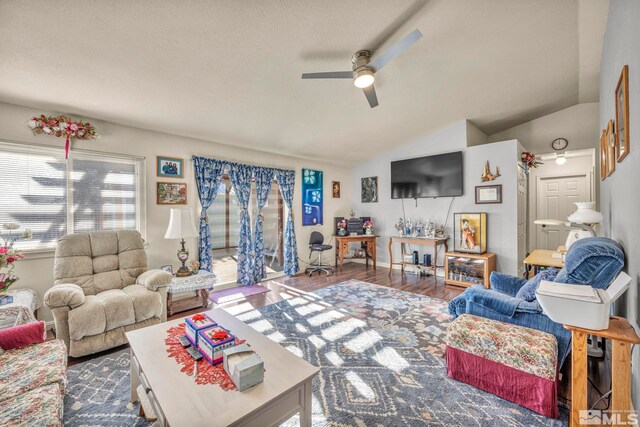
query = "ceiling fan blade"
x=370 y=93
x=394 y=51
x=329 y=75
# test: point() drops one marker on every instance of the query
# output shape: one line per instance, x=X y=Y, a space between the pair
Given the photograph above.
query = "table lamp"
x=583 y=219
x=181 y=226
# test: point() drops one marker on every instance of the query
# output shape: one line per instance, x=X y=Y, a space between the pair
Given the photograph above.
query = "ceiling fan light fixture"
x=363 y=78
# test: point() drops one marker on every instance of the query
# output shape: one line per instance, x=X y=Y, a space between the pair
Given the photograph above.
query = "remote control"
x=194 y=353
x=184 y=341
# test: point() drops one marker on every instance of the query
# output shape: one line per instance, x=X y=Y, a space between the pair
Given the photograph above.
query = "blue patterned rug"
x=380 y=353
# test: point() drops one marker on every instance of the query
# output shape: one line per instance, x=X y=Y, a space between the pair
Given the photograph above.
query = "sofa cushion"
x=593 y=261
x=528 y=291
x=33 y=366
x=102 y=312
x=39 y=407
x=146 y=303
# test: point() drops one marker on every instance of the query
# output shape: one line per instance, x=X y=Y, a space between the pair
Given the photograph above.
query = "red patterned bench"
x=513 y=362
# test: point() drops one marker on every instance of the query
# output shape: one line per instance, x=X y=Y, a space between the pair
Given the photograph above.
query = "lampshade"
x=181 y=225
x=586 y=214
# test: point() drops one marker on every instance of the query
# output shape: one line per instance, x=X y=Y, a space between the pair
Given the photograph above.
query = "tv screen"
x=431 y=176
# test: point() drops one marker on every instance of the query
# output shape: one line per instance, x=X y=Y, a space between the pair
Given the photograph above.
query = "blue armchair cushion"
x=528 y=291
x=593 y=261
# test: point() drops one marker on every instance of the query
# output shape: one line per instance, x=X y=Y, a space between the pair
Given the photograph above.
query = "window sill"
x=39 y=253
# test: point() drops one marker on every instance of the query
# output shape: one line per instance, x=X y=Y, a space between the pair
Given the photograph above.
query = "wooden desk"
x=415 y=241
x=342 y=248
x=541 y=258
x=622 y=335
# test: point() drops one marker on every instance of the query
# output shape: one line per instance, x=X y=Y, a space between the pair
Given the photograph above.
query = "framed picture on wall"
x=312 y=197
x=603 y=155
x=488 y=194
x=622 y=114
x=169 y=167
x=171 y=193
x=611 y=148
x=335 y=189
x=470 y=232
x=369 y=191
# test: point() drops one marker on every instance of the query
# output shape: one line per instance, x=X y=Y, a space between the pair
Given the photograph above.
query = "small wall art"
x=622 y=114
x=335 y=189
x=171 y=193
x=312 y=197
x=488 y=194
x=603 y=155
x=369 y=191
x=169 y=167
x=611 y=148
x=487 y=175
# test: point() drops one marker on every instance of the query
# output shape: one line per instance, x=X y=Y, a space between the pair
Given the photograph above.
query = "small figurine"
x=487 y=175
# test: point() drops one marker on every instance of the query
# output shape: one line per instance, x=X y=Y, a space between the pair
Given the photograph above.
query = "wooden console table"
x=622 y=335
x=415 y=241
x=342 y=248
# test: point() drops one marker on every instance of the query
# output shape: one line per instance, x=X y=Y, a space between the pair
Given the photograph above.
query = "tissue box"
x=210 y=347
x=244 y=366
x=196 y=323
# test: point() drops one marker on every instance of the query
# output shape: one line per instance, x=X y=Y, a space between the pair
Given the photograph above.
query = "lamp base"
x=183 y=272
x=183 y=256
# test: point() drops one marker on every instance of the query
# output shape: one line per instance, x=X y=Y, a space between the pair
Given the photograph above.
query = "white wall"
x=502 y=221
x=619 y=198
x=578 y=124
x=37 y=272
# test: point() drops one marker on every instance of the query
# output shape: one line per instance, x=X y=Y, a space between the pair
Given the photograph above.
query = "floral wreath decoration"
x=63 y=126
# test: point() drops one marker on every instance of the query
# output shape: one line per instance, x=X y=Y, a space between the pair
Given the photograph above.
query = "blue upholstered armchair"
x=594 y=261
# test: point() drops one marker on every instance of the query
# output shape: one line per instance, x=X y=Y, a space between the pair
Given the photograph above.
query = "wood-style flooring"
x=598 y=368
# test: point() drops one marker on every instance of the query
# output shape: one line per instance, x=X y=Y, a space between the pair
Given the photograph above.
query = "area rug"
x=232 y=294
x=379 y=353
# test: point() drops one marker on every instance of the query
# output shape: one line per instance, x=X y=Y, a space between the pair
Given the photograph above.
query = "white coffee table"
x=178 y=401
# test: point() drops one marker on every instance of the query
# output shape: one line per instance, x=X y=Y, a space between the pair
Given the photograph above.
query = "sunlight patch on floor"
x=334 y=358
x=309 y=308
x=364 y=341
x=261 y=326
x=362 y=387
x=342 y=328
x=295 y=350
x=302 y=329
x=317 y=341
x=326 y=317
x=240 y=309
x=277 y=337
x=390 y=358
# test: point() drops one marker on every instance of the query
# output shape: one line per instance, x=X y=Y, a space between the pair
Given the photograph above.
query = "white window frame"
x=141 y=187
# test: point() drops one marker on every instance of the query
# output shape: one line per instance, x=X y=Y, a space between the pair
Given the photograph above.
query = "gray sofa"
x=103 y=289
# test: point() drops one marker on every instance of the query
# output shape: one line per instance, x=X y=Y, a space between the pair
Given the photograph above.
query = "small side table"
x=622 y=335
x=23 y=309
x=200 y=283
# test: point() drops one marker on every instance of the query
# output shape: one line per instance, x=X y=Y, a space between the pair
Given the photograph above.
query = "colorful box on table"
x=196 y=323
x=212 y=341
x=244 y=366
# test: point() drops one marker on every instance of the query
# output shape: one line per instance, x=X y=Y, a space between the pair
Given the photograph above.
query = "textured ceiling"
x=229 y=71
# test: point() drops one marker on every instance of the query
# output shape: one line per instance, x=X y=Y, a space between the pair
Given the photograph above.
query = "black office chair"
x=316 y=244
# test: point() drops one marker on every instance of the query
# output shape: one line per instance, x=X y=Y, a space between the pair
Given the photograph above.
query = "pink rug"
x=232 y=294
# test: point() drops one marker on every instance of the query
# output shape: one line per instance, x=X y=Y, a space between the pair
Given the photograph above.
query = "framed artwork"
x=169 y=167
x=171 y=193
x=369 y=191
x=488 y=194
x=603 y=155
x=470 y=232
x=335 y=189
x=622 y=114
x=311 y=197
x=611 y=148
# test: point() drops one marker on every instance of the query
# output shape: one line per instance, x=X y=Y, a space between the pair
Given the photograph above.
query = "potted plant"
x=9 y=255
x=368 y=227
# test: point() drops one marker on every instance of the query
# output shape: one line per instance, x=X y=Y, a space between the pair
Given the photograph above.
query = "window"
x=42 y=191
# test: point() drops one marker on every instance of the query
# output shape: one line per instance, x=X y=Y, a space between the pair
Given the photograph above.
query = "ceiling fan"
x=364 y=68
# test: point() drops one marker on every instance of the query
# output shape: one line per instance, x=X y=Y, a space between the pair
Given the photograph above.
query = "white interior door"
x=556 y=198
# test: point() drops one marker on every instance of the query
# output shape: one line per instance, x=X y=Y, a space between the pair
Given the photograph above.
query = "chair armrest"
x=154 y=279
x=64 y=295
x=492 y=300
x=506 y=283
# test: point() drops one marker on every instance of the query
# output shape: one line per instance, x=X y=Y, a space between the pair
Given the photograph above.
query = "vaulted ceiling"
x=229 y=71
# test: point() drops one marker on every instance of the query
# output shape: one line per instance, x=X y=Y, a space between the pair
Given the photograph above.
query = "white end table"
x=200 y=283
x=23 y=309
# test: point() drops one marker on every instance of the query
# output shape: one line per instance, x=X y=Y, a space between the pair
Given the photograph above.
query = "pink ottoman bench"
x=513 y=362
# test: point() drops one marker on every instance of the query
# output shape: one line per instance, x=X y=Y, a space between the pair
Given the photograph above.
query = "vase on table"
x=368 y=231
x=342 y=232
x=6 y=280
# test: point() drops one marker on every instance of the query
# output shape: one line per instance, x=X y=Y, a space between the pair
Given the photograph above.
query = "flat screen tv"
x=431 y=176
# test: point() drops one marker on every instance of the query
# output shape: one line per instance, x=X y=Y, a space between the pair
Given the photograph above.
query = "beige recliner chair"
x=102 y=289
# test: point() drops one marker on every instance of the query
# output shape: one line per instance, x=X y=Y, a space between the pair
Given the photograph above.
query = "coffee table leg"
x=169 y=305
x=305 y=412
x=135 y=381
x=204 y=294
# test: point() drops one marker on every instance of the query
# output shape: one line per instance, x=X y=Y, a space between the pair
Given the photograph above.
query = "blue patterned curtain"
x=286 y=181
x=263 y=178
x=208 y=176
x=240 y=176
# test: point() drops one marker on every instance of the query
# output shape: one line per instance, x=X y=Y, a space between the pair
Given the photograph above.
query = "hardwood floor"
x=284 y=287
